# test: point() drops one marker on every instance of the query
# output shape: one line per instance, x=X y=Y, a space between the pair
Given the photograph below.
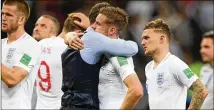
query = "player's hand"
x=72 y=39
x=85 y=23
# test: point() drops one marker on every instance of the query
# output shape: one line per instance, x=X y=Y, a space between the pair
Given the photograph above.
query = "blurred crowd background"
x=188 y=20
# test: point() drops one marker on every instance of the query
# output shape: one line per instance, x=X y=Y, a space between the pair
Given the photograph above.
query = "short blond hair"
x=160 y=26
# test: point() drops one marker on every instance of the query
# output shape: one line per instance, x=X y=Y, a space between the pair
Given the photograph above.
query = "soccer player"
x=119 y=86
x=20 y=53
x=207 y=54
x=49 y=80
x=46 y=26
x=81 y=68
x=168 y=77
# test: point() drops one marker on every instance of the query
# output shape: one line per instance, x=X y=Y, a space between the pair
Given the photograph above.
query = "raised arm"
x=118 y=47
x=102 y=44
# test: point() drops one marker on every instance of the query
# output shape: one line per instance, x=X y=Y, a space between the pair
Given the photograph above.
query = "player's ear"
x=162 y=39
x=21 y=20
x=112 y=30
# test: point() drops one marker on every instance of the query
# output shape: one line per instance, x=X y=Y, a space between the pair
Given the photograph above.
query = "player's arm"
x=104 y=44
x=11 y=77
x=200 y=92
x=135 y=92
x=185 y=75
x=111 y=46
x=25 y=62
x=118 y=47
x=126 y=70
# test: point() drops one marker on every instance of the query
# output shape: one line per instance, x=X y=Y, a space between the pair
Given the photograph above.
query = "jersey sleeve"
x=117 y=47
x=124 y=66
x=183 y=73
x=28 y=58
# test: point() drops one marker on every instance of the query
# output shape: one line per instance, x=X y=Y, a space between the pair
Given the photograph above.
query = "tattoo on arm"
x=199 y=94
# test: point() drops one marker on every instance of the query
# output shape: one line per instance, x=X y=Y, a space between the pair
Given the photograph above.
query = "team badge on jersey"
x=160 y=78
x=122 y=61
x=25 y=59
x=188 y=73
x=10 y=52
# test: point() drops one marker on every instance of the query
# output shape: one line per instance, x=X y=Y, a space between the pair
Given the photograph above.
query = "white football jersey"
x=167 y=84
x=24 y=53
x=49 y=80
x=207 y=75
x=111 y=89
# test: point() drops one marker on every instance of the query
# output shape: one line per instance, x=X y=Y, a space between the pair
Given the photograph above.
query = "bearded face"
x=10 y=17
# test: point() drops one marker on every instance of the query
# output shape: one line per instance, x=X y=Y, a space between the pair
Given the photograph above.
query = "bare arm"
x=200 y=92
x=135 y=92
x=11 y=77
